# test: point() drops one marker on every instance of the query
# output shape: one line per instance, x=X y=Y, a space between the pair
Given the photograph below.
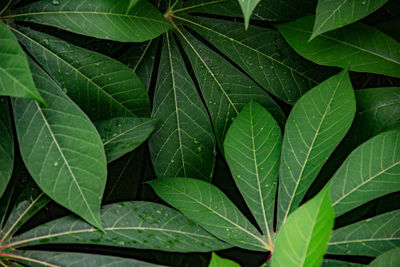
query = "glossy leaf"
x=252 y=149
x=248 y=7
x=370 y=237
x=122 y=135
x=316 y=125
x=372 y=170
x=15 y=75
x=143 y=225
x=62 y=149
x=208 y=206
x=6 y=145
x=387 y=259
x=263 y=54
x=224 y=88
x=108 y=19
x=303 y=239
x=101 y=86
x=217 y=261
x=183 y=143
x=362 y=47
x=335 y=14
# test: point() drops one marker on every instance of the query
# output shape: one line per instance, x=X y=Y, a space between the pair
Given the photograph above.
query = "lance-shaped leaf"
x=316 y=125
x=335 y=14
x=208 y=206
x=263 y=54
x=387 y=259
x=252 y=149
x=362 y=47
x=372 y=170
x=370 y=237
x=124 y=134
x=224 y=88
x=107 y=19
x=143 y=225
x=6 y=145
x=101 y=86
x=303 y=239
x=15 y=75
x=62 y=149
x=217 y=261
x=183 y=143
x=248 y=7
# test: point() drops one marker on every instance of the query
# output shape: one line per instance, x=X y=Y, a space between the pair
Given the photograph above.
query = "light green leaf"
x=370 y=237
x=362 y=47
x=118 y=20
x=6 y=145
x=248 y=7
x=143 y=225
x=263 y=54
x=62 y=149
x=252 y=149
x=303 y=239
x=183 y=143
x=101 y=86
x=387 y=259
x=335 y=14
x=122 y=135
x=211 y=208
x=15 y=75
x=316 y=125
x=217 y=261
x=371 y=170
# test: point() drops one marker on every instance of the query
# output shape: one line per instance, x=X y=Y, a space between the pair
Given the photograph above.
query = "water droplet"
x=55 y=2
x=199 y=149
x=363 y=2
x=56 y=163
x=196 y=141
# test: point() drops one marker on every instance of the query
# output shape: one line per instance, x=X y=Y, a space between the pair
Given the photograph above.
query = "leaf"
x=224 y=88
x=122 y=135
x=101 y=86
x=362 y=47
x=303 y=239
x=316 y=125
x=109 y=19
x=143 y=225
x=336 y=263
x=15 y=75
x=217 y=261
x=335 y=14
x=388 y=259
x=6 y=145
x=252 y=149
x=5 y=202
x=371 y=170
x=248 y=7
x=6 y=5
x=391 y=28
x=263 y=54
x=209 y=207
x=370 y=237
x=62 y=149
x=183 y=143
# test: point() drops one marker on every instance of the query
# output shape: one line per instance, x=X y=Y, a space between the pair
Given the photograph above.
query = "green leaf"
x=335 y=14
x=391 y=28
x=5 y=201
x=101 y=86
x=143 y=225
x=316 y=125
x=211 y=208
x=263 y=54
x=371 y=170
x=6 y=5
x=248 y=7
x=370 y=237
x=62 y=149
x=217 y=261
x=336 y=263
x=224 y=88
x=252 y=149
x=15 y=75
x=6 y=145
x=362 y=47
x=387 y=259
x=108 y=19
x=122 y=135
x=303 y=239
x=183 y=143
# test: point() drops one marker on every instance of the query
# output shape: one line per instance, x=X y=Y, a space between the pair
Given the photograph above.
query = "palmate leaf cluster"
x=148 y=133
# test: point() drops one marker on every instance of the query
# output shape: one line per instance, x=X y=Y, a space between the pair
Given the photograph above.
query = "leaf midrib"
x=333 y=13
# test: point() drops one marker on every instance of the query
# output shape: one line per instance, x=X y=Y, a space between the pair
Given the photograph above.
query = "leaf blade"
x=6 y=145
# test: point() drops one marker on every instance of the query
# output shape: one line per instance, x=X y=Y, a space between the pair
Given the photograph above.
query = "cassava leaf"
x=183 y=143
x=208 y=206
x=107 y=19
x=337 y=263
x=217 y=261
x=101 y=86
x=143 y=225
x=6 y=145
x=62 y=149
x=363 y=47
x=316 y=125
x=252 y=149
x=248 y=7
x=387 y=259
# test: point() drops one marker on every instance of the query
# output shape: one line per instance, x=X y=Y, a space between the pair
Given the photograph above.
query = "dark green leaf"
x=6 y=145
x=387 y=259
x=248 y=7
x=5 y=201
x=391 y=28
x=217 y=261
